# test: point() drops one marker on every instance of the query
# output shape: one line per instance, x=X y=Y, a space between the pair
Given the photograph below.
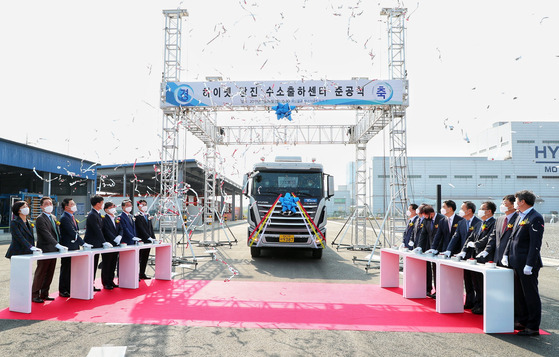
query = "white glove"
x=107 y=245
x=152 y=240
x=136 y=239
x=462 y=255
x=482 y=254
x=418 y=250
x=471 y=245
x=447 y=253
x=35 y=249
x=505 y=260
x=410 y=243
x=527 y=270
x=87 y=245
x=61 y=247
x=117 y=239
x=434 y=251
x=401 y=245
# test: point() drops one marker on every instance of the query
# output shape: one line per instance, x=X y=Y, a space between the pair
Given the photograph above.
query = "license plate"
x=286 y=238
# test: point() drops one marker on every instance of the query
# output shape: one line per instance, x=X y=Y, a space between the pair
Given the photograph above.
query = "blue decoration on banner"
x=283 y=110
x=288 y=203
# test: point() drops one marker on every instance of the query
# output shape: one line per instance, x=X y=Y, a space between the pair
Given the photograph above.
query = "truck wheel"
x=317 y=253
x=255 y=252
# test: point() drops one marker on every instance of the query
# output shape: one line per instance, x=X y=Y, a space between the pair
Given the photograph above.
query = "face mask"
x=417 y=211
x=144 y=208
x=480 y=213
x=128 y=209
x=408 y=213
x=443 y=211
x=461 y=213
x=74 y=208
x=112 y=210
x=48 y=209
x=515 y=205
x=25 y=211
x=503 y=208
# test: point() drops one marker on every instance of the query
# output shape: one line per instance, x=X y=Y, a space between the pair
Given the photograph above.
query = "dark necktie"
x=505 y=224
x=54 y=227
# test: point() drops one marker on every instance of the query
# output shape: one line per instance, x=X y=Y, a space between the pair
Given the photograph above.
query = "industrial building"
x=508 y=157
x=29 y=173
x=340 y=204
x=141 y=180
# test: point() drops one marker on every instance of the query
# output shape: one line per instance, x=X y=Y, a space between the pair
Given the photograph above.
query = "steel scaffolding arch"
x=397 y=129
x=201 y=122
x=170 y=200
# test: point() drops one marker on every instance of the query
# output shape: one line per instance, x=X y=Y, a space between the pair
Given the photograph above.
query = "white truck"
x=273 y=181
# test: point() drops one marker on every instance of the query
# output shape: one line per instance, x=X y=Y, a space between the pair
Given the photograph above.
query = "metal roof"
x=29 y=157
x=145 y=176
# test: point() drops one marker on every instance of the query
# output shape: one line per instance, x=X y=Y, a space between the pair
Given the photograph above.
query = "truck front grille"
x=294 y=224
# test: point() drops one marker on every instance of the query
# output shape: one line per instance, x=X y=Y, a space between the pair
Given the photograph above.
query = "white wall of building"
x=507 y=158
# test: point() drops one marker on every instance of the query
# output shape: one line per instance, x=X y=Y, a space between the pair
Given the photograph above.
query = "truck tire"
x=255 y=252
x=317 y=253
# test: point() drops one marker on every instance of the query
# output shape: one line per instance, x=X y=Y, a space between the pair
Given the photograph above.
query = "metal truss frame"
x=170 y=200
x=370 y=120
x=396 y=116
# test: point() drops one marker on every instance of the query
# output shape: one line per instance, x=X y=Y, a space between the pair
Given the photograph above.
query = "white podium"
x=21 y=271
x=21 y=277
x=498 y=286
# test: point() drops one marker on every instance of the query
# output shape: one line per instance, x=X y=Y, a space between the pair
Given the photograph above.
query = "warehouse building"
x=29 y=173
x=506 y=158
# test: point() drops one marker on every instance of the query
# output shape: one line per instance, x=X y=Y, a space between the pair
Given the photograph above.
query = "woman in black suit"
x=23 y=240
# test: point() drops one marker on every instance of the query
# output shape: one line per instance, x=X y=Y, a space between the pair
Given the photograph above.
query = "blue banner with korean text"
x=299 y=93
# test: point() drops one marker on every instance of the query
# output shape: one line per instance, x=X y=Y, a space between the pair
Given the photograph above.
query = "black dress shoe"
x=38 y=300
x=64 y=294
x=96 y=289
x=478 y=310
x=108 y=287
x=432 y=296
x=518 y=326
x=529 y=332
x=468 y=306
x=115 y=285
x=144 y=277
x=48 y=298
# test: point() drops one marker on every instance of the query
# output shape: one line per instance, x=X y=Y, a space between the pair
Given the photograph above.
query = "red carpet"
x=257 y=305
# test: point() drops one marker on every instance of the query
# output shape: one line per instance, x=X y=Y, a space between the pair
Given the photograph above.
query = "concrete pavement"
x=47 y=338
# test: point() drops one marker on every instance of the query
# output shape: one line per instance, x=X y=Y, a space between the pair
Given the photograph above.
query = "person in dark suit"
x=144 y=230
x=94 y=230
x=433 y=224
x=419 y=225
x=48 y=236
x=465 y=228
x=23 y=240
x=441 y=241
x=408 y=237
x=498 y=240
x=474 y=245
x=522 y=254
x=69 y=237
x=127 y=221
x=112 y=231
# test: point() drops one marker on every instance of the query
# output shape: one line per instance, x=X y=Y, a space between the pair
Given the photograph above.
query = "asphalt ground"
x=49 y=338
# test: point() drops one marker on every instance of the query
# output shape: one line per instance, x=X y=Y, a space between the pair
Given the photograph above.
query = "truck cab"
x=280 y=184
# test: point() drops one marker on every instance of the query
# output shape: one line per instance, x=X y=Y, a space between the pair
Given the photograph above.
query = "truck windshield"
x=275 y=183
